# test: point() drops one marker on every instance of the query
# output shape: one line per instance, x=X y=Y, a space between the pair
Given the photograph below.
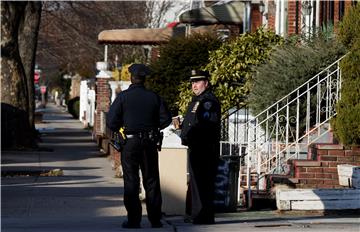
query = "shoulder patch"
x=206 y=115
x=207 y=105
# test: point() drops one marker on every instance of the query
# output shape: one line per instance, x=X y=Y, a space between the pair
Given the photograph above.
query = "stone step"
x=328 y=146
x=306 y=163
x=317 y=199
x=282 y=179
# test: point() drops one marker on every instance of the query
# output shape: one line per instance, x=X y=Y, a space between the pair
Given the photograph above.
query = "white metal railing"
x=286 y=128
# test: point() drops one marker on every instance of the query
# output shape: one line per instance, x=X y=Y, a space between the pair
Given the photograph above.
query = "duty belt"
x=141 y=135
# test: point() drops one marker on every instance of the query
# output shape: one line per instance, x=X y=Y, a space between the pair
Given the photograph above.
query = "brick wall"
x=154 y=54
x=103 y=101
x=115 y=161
x=256 y=17
x=292 y=9
x=324 y=13
x=321 y=170
x=103 y=95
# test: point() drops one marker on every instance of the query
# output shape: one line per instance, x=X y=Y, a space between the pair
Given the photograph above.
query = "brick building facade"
x=295 y=17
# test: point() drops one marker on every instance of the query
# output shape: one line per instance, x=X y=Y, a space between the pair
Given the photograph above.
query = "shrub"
x=177 y=59
x=346 y=123
x=350 y=27
x=231 y=66
x=74 y=106
x=291 y=65
x=125 y=74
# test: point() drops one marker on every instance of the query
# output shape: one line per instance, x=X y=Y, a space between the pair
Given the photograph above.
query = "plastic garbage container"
x=226 y=184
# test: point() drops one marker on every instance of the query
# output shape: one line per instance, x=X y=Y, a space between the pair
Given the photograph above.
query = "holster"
x=160 y=139
x=119 y=140
x=157 y=137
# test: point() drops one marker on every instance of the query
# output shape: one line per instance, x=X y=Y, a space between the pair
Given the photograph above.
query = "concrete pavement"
x=68 y=185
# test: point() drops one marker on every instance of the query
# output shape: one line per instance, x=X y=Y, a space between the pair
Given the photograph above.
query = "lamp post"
x=247 y=16
x=263 y=11
x=66 y=92
x=67 y=76
x=306 y=9
x=261 y=7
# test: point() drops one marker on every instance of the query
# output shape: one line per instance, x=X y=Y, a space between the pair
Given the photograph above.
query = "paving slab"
x=86 y=196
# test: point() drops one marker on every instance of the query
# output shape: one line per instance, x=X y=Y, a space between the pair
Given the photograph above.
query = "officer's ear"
x=207 y=83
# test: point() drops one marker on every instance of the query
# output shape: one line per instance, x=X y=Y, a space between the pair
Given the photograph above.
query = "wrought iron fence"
x=285 y=129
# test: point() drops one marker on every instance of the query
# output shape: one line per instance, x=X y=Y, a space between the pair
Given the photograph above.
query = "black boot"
x=156 y=225
x=128 y=225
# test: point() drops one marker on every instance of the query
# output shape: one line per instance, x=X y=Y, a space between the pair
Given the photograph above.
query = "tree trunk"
x=16 y=126
x=28 y=35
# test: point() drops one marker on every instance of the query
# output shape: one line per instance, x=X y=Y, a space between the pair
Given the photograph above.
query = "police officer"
x=141 y=113
x=201 y=133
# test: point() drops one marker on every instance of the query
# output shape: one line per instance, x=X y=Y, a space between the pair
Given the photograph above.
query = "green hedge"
x=74 y=106
x=177 y=59
x=232 y=65
x=291 y=65
x=347 y=122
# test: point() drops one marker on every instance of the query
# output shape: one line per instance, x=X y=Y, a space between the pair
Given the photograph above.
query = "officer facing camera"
x=141 y=113
x=201 y=133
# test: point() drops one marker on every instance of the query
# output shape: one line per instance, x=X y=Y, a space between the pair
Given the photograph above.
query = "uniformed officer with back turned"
x=201 y=133
x=141 y=113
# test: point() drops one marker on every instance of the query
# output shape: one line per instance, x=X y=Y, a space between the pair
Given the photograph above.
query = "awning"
x=227 y=13
x=145 y=36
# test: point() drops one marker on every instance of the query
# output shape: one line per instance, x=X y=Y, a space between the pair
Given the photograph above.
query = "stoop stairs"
x=281 y=143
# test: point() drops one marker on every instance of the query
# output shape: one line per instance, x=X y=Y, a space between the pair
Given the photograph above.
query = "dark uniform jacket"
x=138 y=109
x=201 y=123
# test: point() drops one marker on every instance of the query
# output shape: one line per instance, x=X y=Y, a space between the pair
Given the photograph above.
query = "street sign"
x=36 y=76
x=43 y=89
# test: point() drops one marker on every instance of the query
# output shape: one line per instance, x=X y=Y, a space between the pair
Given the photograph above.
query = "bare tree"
x=28 y=34
x=19 y=36
x=158 y=12
x=69 y=30
x=65 y=41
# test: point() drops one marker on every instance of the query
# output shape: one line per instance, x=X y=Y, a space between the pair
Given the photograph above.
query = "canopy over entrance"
x=227 y=13
x=146 y=36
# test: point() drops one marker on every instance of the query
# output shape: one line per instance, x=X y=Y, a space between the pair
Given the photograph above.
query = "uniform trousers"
x=141 y=153
x=203 y=168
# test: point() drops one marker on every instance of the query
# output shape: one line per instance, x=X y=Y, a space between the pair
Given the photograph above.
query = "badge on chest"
x=195 y=107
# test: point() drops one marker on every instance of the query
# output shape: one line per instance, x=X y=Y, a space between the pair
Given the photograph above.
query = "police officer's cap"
x=139 y=70
x=197 y=75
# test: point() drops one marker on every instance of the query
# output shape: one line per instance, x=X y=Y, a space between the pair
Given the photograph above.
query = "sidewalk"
x=83 y=195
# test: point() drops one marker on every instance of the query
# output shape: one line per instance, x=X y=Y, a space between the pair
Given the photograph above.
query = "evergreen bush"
x=289 y=66
x=346 y=124
x=177 y=59
x=74 y=106
x=125 y=74
x=349 y=32
x=232 y=65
